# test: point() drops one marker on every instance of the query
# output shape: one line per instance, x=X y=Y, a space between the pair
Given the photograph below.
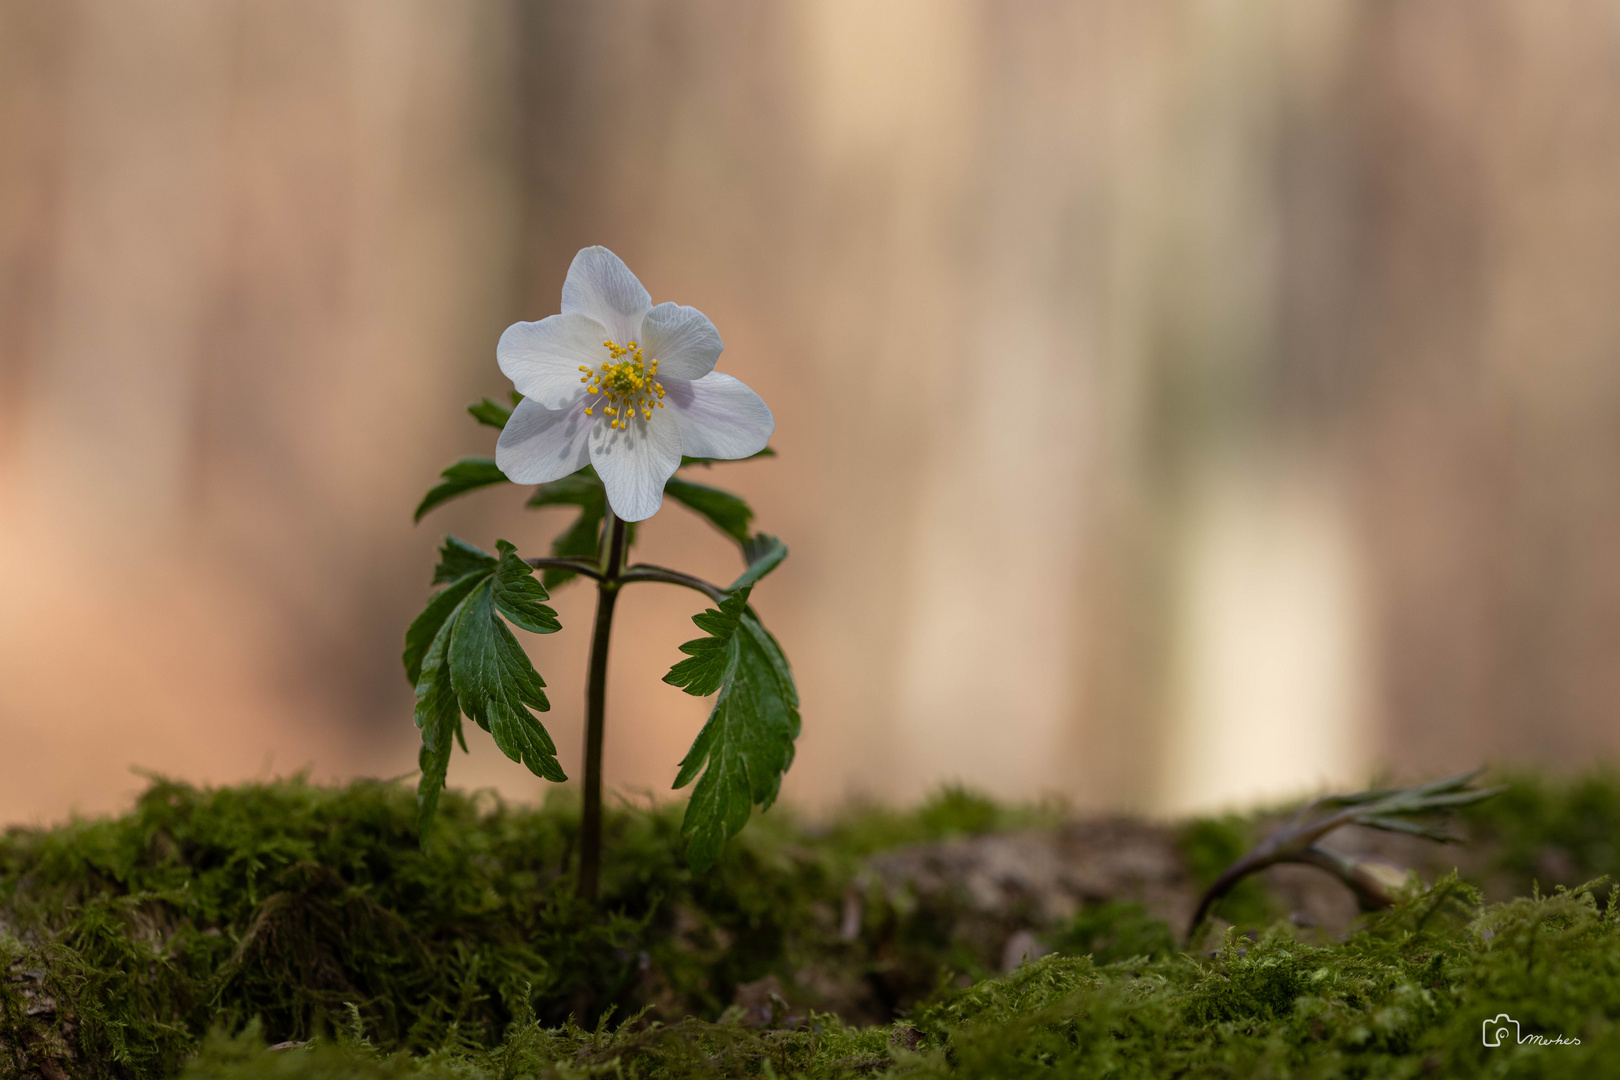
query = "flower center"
x=624 y=386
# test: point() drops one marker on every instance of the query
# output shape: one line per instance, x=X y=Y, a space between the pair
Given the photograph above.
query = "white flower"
x=620 y=384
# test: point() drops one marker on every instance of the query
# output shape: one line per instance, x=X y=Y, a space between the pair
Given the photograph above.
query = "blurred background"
x=1179 y=404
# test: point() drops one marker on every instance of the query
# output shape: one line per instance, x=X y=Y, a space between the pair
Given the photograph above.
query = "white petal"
x=601 y=286
x=719 y=416
x=634 y=462
x=543 y=358
x=682 y=340
x=539 y=445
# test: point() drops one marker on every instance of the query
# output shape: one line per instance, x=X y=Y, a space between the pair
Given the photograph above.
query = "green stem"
x=587 y=567
x=607 y=594
x=649 y=572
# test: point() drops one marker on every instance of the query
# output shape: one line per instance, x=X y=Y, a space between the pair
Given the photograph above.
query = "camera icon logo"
x=1500 y=1027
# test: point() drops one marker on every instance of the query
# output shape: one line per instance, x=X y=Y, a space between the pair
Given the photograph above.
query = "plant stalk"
x=649 y=572
x=607 y=594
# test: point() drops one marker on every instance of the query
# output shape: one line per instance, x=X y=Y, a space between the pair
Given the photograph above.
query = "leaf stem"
x=608 y=578
x=1404 y=810
x=573 y=566
x=649 y=572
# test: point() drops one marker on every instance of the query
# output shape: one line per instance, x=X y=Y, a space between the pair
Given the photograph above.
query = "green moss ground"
x=185 y=936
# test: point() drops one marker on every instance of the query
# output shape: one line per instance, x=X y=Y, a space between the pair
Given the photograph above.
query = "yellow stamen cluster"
x=628 y=384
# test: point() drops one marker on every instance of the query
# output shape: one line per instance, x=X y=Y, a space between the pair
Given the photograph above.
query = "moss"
x=286 y=903
x=1111 y=931
x=1405 y=997
x=291 y=913
x=1546 y=831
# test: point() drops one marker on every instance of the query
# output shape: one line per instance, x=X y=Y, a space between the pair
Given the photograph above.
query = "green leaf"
x=439 y=717
x=434 y=761
x=425 y=630
x=463 y=566
x=492 y=413
x=496 y=685
x=763 y=553
x=457 y=559
x=468 y=474
x=724 y=510
x=709 y=658
x=747 y=743
x=519 y=596
x=462 y=658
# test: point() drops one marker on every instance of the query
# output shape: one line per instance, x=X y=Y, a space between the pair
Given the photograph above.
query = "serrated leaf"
x=439 y=716
x=763 y=553
x=468 y=474
x=496 y=685
x=724 y=510
x=457 y=559
x=491 y=413
x=425 y=630
x=709 y=658
x=434 y=761
x=519 y=596
x=462 y=658
x=461 y=565
x=747 y=743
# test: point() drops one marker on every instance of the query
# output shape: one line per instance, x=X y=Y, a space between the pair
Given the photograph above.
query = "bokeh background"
x=1179 y=403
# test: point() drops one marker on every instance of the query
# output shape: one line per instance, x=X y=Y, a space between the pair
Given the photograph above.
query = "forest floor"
x=290 y=930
